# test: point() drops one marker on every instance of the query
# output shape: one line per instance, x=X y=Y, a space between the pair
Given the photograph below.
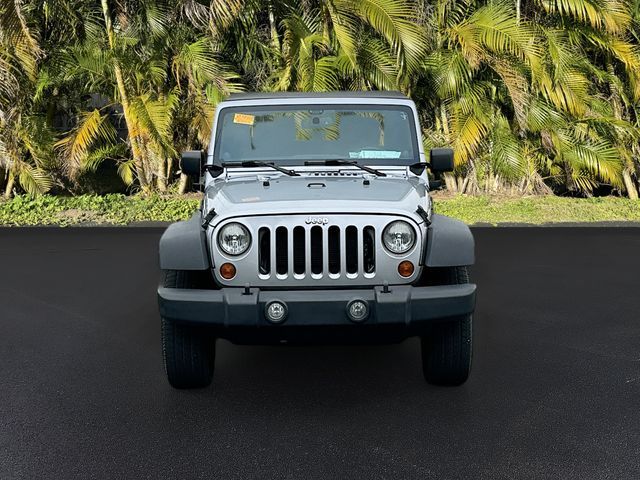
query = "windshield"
x=291 y=135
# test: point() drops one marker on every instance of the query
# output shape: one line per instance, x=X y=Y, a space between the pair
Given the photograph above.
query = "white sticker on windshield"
x=375 y=154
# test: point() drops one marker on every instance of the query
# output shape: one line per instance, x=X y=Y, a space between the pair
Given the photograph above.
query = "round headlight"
x=234 y=239
x=398 y=237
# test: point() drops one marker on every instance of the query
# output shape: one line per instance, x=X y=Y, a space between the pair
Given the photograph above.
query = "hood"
x=254 y=195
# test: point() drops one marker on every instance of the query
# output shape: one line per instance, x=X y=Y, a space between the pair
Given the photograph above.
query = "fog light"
x=358 y=310
x=405 y=269
x=227 y=271
x=275 y=311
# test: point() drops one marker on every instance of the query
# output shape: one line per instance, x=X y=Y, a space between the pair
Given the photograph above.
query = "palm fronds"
x=92 y=127
x=531 y=96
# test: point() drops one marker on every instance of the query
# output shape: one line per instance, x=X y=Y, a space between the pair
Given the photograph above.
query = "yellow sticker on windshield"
x=243 y=118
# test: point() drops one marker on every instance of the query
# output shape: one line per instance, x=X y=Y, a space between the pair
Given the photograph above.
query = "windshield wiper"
x=339 y=161
x=258 y=163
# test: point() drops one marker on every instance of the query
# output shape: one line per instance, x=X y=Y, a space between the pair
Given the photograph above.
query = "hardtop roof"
x=316 y=95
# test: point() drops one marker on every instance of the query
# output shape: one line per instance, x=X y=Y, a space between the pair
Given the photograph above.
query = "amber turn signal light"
x=405 y=269
x=227 y=271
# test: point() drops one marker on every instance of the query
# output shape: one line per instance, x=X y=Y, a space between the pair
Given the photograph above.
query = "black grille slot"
x=282 y=250
x=298 y=250
x=264 y=250
x=369 y=249
x=334 y=249
x=316 y=249
x=351 y=247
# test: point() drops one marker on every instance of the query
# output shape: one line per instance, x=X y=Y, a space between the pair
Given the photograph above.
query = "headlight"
x=234 y=239
x=398 y=237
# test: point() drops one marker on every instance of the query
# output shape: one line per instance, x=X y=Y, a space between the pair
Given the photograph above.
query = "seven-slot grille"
x=316 y=251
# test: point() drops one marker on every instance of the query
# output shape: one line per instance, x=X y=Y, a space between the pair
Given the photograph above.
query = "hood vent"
x=339 y=173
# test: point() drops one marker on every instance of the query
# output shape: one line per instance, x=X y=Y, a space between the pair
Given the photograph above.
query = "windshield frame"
x=299 y=162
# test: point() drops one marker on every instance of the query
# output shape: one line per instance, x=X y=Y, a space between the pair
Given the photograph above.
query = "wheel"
x=188 y=350
x=446 y=351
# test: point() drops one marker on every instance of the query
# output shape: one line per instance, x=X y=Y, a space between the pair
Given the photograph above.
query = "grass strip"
x=118 y=209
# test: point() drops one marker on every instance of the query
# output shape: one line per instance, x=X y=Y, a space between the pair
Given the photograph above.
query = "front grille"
x=288 y=251
x=316 y=251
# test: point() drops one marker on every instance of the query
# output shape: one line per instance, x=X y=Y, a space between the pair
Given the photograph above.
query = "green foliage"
x=93 y=209
x=534 y=97
x=537 y=209
x=119 y=209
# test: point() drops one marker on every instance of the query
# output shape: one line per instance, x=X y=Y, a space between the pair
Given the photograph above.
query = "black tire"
x=447 y=350
x=188 y=350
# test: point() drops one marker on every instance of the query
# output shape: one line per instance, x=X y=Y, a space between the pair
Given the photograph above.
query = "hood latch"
x=208 y=217
x=423 y=214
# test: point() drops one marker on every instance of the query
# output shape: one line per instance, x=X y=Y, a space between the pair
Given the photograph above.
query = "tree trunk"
x=465 y=185
x=518 y=5
x=184 y=183
x=124 y=100
x=450 y=182
x=445 y=120
x=136 y=151
x=8 y=191
x=632 y=191
x=568 y=177
x=326 y=18
x=161 y=178
x=148 y=161
x=169 y=168
x=275 y=39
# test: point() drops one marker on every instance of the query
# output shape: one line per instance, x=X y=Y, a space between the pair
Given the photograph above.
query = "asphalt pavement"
x=554 y=392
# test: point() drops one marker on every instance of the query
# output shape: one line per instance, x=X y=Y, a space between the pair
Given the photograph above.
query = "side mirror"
x=435 y=184
x=441 y=160
x=192 y=162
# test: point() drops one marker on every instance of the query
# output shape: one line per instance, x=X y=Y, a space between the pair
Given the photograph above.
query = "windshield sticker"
x=375 y=154
x=243 y=118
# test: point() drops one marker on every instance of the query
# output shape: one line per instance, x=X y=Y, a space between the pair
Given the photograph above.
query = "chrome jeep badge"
x=316 y=221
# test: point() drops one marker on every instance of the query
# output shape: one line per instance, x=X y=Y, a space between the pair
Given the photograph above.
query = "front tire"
x=447 y=350
x=188 y=350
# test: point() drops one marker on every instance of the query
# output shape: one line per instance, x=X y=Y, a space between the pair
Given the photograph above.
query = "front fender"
x=449 y=243
x=183 y=246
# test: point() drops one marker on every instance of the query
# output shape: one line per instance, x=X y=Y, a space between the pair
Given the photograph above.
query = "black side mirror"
x=192 y=162
x=441 y=160
x=435 y=184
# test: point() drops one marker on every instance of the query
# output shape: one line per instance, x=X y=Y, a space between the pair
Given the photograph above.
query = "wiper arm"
x=258 y=163
x=338 y=161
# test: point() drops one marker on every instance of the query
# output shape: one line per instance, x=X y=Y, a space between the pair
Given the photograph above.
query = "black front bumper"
x=317 y=315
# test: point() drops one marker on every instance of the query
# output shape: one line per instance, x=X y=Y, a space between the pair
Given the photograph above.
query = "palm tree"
x=25 y=139
x=153 y=64
x=475 y=93
x=591 y=58
x=517 y=100
x=534 y=96
x=340 y=44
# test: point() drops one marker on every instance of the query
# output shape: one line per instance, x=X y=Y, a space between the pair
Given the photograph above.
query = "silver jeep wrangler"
x=316 y=226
